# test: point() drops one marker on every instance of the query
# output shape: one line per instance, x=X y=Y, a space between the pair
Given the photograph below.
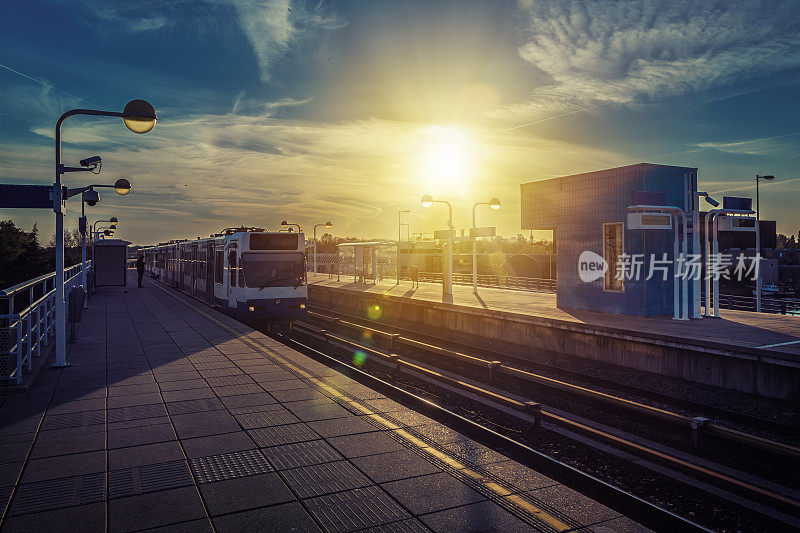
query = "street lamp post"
x=139 y=117
x=285 y=225
x=493 y=204
x=328 y=225
x=447 y=280
x=399 y=237
x=758 y=243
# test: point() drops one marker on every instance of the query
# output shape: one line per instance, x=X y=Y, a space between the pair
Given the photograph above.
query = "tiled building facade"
x=588 y=212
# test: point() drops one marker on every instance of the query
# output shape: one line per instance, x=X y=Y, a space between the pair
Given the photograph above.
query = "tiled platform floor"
x=735 y=328
x=173 y=417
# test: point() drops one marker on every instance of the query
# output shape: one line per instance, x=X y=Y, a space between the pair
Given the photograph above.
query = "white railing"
x=24 y=331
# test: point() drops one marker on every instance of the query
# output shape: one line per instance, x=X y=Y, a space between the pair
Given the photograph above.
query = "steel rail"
x=638 y=407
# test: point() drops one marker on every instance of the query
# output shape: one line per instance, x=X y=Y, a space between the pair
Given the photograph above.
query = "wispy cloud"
x=628 y=53
x=272 y=26
x=760 y=146
x=243 y=105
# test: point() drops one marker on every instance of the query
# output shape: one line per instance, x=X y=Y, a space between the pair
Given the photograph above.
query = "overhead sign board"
x=736 y=202
x=728 y=223
x=442 y=234
x=26 y=196
x=488 y=231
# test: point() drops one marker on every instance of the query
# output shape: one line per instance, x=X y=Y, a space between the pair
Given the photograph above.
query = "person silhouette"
x=140 y=268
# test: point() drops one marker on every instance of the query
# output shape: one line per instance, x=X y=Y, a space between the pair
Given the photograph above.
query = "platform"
x=531 y=318
x=172 y=414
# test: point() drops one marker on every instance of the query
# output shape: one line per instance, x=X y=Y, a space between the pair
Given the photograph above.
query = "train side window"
x=232 y=267
x=241 y=273
x=218 y=266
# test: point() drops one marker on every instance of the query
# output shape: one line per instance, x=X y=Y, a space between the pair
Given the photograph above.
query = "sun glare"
x=447 y=158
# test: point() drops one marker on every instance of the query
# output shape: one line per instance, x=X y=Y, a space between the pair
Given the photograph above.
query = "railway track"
x=738 y=489
x=721 y=422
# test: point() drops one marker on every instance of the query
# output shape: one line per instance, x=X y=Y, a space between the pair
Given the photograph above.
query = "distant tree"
x=21 y=256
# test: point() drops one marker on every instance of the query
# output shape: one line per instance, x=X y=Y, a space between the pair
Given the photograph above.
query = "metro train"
x=248 y=273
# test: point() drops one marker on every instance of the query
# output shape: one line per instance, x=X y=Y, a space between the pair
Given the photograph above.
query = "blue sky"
x=350 y=111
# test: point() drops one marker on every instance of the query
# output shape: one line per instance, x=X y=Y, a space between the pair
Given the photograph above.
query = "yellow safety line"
x=405 y=435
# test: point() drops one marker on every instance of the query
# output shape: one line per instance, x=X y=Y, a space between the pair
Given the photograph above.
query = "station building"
x=588 y=212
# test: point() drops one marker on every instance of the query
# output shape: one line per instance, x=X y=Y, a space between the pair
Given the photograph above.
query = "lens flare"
x=374 y=312
x=359 y=358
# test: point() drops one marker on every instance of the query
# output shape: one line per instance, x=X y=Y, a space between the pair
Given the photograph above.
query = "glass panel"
x=273 y=241
x=274 y=270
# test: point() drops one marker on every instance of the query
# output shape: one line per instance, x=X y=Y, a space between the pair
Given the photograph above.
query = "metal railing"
x=772 y=305
x=25 y=328
x=494 y=280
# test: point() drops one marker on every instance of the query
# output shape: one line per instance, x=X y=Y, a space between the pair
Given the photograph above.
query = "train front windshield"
x=274 y=270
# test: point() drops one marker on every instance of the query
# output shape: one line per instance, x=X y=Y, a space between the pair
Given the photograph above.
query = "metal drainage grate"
x=301 y=454
x=229 y=466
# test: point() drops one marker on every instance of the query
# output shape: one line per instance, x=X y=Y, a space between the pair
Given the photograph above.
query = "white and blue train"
x=248 y=273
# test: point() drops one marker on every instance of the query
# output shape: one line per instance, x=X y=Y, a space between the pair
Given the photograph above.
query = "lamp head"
x=427 y=200
x=114 y=220
x=106 y=232
x=122 y=186
x=113 y=226
x=712 y=201
x=328 y=225
x=284 y=224
x=494 y=204
x=139 y=116
x=767 y=178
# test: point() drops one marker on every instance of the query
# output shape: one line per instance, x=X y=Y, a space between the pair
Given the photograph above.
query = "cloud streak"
x=632 y=53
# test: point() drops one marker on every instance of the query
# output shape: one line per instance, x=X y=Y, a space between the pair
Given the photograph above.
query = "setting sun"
x=447 y=158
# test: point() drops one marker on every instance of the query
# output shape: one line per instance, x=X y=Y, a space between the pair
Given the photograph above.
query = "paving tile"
x=355 y=509
x=67 y=420
x=64 y=466
x=301 y=454
x=177 y=376
x=56 y=493
x=238 y=390
x=394 y=465
x=136 y=412
x=229 y=465
x=205 y=423
x=580 y=508
x=146 y=454
x=476 y=518
x=431 y=493
x=131 y=400
x=325 y=478
x=410 y=525
x=194 y=406
x=9 y=473
x=77 y=406
x=217 y=444
x=239 y=494
x=475 y=453
x=342 y=426
x=60 y=442
x=365 y=444
x=127 y=390
x=440 y=433
x=183 y=385
x=273 y=417
x=92 y=519
x=136 y=436
x=520 y=476
x=187 y=394
x=146 y=478
x=295 y=395
x=192 y=526
x=155 y=509
x=277 y=435
x=325 y=411
x=284 y=517
x=14 y=451
x=247 y=400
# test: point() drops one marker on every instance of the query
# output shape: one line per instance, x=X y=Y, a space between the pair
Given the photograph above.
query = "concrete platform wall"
x=758 y=372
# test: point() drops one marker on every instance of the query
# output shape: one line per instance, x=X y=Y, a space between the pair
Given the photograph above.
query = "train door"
x=231 y=263
x=209 y=266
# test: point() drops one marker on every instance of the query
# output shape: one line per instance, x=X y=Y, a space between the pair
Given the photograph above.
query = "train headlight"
x=251 y=308
x=277 y=302
x=302 y=306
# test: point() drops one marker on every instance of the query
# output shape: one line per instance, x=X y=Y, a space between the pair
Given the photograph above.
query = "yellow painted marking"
x=540 y=514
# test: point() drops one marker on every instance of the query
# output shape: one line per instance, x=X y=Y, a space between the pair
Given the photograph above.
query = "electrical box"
x=649 y=220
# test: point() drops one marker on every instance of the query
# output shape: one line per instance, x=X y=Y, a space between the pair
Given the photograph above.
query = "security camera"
x=91 y=161
x=712 y=201
x=91 y=197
